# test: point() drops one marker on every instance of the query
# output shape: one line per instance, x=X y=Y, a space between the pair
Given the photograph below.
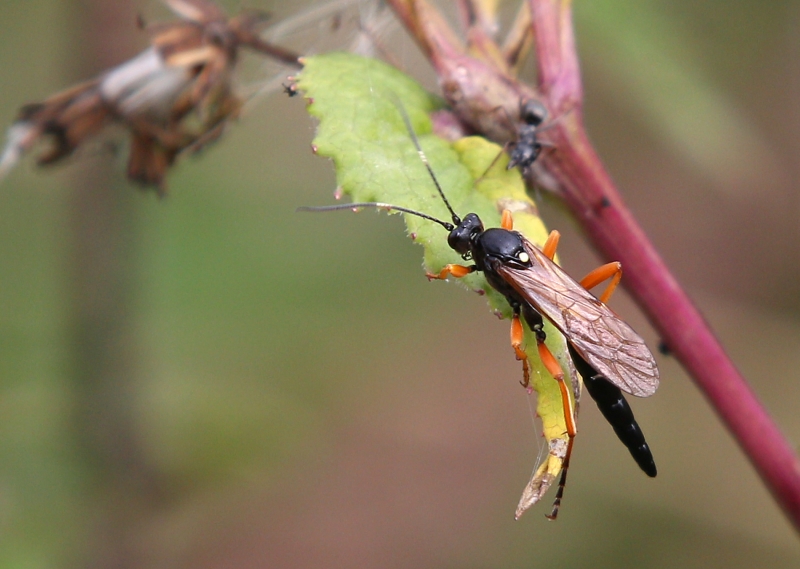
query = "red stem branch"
x=615 y=233
x=590 y=194
x=479 y=91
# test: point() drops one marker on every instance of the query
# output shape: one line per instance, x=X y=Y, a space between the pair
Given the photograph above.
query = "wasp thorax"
x=462 y=238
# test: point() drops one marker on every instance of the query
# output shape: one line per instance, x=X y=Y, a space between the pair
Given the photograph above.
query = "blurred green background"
x=237 y=385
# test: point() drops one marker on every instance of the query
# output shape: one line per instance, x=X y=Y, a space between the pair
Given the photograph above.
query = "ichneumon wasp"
x=606 y=351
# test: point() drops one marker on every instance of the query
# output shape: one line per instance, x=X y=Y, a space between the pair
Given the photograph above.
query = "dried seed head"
x=175 y=96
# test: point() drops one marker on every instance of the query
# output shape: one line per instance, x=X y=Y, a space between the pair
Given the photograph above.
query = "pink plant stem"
x=615 y=233
x=476 y=85
x=591 y=196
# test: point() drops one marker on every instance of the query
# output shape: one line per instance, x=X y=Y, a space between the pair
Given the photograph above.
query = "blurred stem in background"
x=104 y=366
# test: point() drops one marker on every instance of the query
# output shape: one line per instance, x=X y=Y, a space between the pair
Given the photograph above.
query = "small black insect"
x=527 y=147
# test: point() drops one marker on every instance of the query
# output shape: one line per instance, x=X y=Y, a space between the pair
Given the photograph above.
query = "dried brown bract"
x=175 y=96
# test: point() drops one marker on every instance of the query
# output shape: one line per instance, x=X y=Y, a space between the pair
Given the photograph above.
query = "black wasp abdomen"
x=617 y=412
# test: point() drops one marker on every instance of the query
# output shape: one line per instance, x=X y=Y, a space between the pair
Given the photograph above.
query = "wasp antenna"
x=377 y=205
x=423 y=157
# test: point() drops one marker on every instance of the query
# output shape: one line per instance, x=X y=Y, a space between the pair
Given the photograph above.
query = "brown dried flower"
x=175 y=95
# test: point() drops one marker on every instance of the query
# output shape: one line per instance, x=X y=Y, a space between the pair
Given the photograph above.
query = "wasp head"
x=463 y=237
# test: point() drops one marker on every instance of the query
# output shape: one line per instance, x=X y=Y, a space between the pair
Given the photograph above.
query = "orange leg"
x=507 y=222
x=551 y=244
x=611 y=271
x=552 y=366
x=516 y=343
x=457 y=271
x=550 y=362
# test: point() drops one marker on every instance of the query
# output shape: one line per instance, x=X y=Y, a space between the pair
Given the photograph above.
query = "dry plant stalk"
x=175 y=96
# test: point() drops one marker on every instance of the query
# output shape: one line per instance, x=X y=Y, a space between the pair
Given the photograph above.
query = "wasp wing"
x=597 y=334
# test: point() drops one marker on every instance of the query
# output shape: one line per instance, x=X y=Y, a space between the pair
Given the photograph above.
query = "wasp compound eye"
x=461 y=239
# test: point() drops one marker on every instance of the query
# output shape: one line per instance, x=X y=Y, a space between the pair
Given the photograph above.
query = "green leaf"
x=357 y=102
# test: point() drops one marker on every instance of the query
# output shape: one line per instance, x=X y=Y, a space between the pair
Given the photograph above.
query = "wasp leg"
x=611 y=271
x=457 y=271
x=550 y=362
x=516 y=343
x=552 y=365
x=550 y=246
x=507 y=222
x=534 y=320
x=562 y=482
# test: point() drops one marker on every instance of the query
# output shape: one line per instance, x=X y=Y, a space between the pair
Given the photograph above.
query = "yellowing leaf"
x=357 y=102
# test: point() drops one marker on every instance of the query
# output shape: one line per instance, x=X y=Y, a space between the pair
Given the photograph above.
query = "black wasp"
x=606 y=351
